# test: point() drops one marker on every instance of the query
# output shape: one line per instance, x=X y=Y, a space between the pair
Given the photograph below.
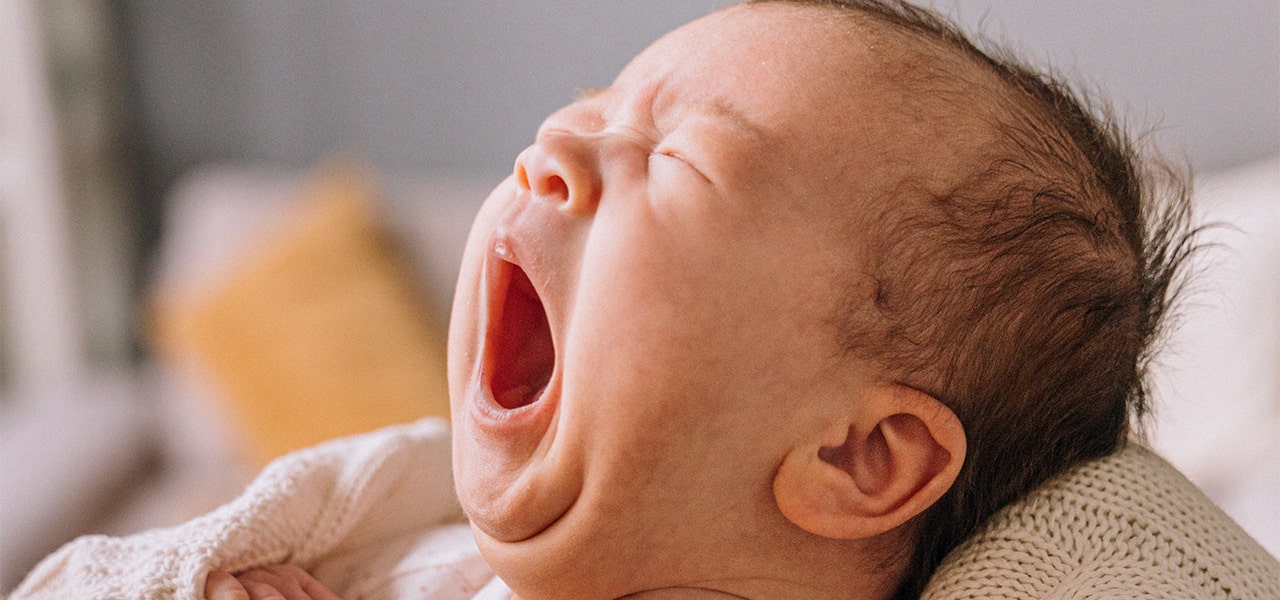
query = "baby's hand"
x=285 y=582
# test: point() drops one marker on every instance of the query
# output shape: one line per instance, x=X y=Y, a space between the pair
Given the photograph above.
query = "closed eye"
x=668 y=153
x=678 y=156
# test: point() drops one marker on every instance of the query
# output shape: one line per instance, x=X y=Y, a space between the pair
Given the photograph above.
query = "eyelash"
x=667 y=153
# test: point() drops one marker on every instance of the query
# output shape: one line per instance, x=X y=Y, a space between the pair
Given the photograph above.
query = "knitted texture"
x=344 y=498
x=1125 y=526
x=369 y=515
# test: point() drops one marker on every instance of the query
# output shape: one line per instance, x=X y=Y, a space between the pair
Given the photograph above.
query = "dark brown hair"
x=1028 y=296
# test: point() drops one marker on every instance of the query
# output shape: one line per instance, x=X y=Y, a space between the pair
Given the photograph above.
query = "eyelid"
x=669 y=152
x=680 y=156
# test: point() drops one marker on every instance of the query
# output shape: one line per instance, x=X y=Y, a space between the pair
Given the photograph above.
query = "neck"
x=835 y=581
x=676 y=594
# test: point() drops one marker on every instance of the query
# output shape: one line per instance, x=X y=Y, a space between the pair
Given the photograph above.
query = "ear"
x=889 y=460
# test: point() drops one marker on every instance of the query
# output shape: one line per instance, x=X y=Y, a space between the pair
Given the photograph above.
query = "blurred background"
x=227 y=227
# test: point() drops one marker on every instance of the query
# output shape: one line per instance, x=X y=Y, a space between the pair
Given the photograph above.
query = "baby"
x=788 y=311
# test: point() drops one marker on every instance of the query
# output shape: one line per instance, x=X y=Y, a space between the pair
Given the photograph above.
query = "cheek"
x=684 y=315
x=650 y=291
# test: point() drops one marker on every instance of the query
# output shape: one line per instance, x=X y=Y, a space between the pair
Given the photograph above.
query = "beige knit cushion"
x=1125 y=526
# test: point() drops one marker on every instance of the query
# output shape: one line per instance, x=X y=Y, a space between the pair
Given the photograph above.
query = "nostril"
x=557 y=188
x=522 y=176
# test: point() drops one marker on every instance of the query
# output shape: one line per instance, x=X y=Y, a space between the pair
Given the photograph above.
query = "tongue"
x=524 y=355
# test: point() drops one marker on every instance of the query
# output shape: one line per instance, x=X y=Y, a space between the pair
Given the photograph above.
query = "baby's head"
x=791 y=308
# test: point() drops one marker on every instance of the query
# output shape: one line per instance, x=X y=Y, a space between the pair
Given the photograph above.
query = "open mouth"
x=521 y=352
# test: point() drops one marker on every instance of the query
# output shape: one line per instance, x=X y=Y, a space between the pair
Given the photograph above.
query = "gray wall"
x=432 y=87
x=1205 y=73
x=450 y=87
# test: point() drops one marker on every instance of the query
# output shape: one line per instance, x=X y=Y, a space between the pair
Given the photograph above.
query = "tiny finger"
x=310 y=585
x=221 y=585
x=261 y=590
x=281 y=582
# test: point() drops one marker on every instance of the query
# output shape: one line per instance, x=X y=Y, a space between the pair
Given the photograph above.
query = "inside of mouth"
x=523 y=352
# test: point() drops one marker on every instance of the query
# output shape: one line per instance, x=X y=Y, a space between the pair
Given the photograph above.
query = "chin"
x=558 y=565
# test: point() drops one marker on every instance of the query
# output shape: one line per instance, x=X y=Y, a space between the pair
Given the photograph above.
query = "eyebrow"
x=722 y=109
x=717 y=107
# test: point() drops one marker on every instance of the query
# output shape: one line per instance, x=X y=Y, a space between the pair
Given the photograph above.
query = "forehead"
x=815 y=84
x=769 y=62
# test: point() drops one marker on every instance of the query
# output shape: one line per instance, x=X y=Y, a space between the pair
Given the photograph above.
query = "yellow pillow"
x=315 y=333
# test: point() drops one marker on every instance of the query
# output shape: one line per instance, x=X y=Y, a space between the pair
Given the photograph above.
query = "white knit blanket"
x=371 y=516
x=375 y=517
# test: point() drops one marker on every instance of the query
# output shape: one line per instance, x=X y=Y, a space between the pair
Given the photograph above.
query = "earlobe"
x=885 y=464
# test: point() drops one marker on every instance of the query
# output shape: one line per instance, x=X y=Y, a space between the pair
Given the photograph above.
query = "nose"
x=562 y=169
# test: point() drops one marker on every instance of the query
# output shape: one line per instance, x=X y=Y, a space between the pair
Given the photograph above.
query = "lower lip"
x=499 y=420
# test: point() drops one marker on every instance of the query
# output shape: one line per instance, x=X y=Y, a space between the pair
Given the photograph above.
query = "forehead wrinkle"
x=621 y=103
x=714 y=106
x=720 y=108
